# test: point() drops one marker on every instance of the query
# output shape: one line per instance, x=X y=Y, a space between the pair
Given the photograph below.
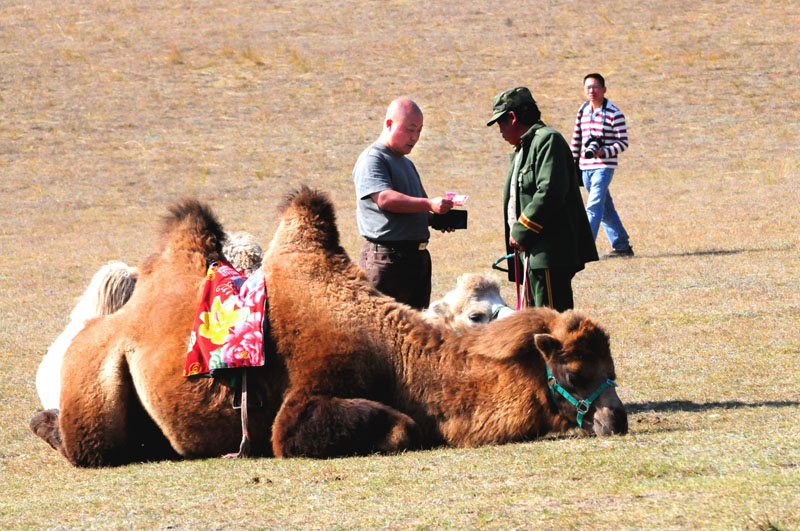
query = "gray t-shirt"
x=378 y=168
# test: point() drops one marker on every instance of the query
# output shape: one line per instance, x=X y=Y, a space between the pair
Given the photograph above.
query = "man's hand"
x=440 y=205
x=514 y=245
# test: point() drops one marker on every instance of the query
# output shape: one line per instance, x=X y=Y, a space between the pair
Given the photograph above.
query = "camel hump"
x=315 y=203
x=308 y=216
x=192 y=226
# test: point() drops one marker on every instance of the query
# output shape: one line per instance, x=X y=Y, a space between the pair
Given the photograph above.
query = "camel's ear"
x=440 y=308
x=587 y=327
x=593 y=338
x=547 y=345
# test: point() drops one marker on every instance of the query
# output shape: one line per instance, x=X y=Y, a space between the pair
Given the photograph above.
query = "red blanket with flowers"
x=227 y=330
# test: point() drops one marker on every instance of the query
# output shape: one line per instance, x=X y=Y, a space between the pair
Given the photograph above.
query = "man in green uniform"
x=545 y=219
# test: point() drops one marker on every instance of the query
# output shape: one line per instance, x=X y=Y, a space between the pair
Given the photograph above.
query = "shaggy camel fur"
x=475 y=301
x=109 y=289
x=348 y=370
x=243 y=251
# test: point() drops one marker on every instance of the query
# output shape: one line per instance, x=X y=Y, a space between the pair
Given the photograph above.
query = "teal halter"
x=496 y=309
x=496 y=262
x=581 y=405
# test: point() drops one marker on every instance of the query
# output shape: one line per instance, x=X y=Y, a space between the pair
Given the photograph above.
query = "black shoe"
x=619 y=253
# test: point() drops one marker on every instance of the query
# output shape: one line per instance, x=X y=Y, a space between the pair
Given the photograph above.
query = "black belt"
x=400 y=245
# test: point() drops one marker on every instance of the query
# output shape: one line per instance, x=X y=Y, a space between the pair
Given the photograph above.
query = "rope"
x=524 y=295
x=244 y=446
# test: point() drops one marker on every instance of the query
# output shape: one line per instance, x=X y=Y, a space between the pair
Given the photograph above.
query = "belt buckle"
x=422 y=246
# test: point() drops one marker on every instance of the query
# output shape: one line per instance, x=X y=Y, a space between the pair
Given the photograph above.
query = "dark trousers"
x=402 y=272
x=552 y=288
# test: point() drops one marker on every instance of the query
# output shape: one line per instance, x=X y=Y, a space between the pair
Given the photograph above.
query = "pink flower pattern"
x=243 y=345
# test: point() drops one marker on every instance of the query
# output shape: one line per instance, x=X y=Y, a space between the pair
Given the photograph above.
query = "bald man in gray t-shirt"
x=393 y=210
x=379 y=168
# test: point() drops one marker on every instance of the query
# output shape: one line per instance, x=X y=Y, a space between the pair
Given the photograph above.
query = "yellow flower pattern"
x=217 y=322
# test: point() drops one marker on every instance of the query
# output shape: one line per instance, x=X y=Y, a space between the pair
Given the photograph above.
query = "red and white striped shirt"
x=607 y=122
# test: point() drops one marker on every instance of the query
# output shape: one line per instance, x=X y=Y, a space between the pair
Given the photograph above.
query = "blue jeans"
x=600 y=207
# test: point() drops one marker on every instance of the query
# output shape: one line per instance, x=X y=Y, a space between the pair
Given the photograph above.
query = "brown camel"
x=110 y=288
x=348 y=371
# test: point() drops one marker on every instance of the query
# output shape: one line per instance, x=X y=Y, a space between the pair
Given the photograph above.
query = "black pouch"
x=454 y=219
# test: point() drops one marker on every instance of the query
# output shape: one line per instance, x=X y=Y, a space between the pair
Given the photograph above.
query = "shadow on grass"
x=686 y=405
x=717 y=252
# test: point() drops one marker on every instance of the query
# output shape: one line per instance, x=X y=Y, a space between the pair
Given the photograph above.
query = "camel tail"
x=191 y=226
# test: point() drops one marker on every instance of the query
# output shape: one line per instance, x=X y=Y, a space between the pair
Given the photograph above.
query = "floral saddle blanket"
x=227 y=330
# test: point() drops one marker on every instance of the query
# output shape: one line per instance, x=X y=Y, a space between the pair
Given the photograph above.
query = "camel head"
x=475 y=301
x=581 y=374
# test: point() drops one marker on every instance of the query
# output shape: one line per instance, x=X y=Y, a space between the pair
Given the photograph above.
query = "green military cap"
x=509 y=100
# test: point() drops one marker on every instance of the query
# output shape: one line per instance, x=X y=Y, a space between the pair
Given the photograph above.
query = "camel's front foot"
x=329 y=427
x=45 y=425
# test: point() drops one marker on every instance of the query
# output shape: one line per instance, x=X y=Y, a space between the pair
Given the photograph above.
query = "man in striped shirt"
x=599 y=136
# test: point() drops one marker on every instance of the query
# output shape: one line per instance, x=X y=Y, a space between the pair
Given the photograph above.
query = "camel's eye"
x=575 y=379
x=477 y=317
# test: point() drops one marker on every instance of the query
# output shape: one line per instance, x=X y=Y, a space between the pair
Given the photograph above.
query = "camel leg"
x=93 y=411
x=318 y=426
x=97 y=401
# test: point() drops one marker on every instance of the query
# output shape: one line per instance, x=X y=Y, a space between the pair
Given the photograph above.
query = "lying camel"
x=109 y=289
x=475 y=301
x=347 y=370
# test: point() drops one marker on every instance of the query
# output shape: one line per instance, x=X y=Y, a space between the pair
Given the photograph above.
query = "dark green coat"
x=552 y=227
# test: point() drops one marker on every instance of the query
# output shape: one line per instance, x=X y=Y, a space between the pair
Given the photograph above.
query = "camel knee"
x=331 y=427
x=404 y=435
x=45 y=425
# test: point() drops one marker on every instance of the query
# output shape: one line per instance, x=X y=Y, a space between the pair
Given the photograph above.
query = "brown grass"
x=111 y=111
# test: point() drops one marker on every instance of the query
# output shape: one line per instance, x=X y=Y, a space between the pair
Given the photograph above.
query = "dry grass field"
x=113 y=110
